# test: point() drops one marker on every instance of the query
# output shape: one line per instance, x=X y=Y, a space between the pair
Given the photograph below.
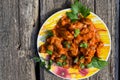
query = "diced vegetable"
x=84 y=45
x=36 y=59
x=64 y=63
x=59 y=64
x=76 y=32
x=76 y=60
x=49 y=33
x=63 y=57
x=66 y=44
x=82 y=65
x=49 y=52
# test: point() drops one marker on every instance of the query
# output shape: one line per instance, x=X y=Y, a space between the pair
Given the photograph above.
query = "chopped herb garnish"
x=66 y=44
x=76 y=60
x=59 y=64
x=78 y=8
x=49 y=64
x=82 y=65
x=36 y=59
x=63 y=57
x=84 y=45
x=76 y=32
x=51 y=61
x=90 y=65
x=81 y=57
x=42 y=64
x=97 y=63
x=49 y=33
x=64 y=63
x=49 y=52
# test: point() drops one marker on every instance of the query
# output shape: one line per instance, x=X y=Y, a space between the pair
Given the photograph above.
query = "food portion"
x=72 y=44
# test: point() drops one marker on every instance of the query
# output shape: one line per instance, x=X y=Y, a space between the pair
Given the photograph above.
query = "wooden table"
x=20 y=21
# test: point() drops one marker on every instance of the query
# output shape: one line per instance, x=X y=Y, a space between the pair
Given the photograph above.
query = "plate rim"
x=68 y=10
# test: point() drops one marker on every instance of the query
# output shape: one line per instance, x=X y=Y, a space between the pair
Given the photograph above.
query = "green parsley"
x=72 y=16
x=49 y=64
x=76 y=32
x=66 y=44
x=84 y=11
x=97 y=63
x=49 y=33
x=42 y=63
x=59 y=64
x=81 y=57
x=36 y=59
x=51 y=61
x=63 y=57
x=82 y=65
x=84 y=45
x=76 y=9
x=49 y=52
x=76 y=60
x=64 y=63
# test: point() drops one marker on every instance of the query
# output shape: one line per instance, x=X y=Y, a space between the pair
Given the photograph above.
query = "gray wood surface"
x=17 y=21
x=20 y=21
x=106 y=9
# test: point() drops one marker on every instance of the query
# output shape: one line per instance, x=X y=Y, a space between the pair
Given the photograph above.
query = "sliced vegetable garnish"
x=78 y=9
x=49 y=52
x=97 y=63
x=84 y=45
x=76 y=32
x=63 y=57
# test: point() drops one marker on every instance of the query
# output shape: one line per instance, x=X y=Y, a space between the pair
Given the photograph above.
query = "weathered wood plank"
x=18 y=36
x=117 y=32
x=17 y=18
x=106 y=10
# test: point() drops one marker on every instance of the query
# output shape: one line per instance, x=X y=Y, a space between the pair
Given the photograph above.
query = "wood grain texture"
x=17 y=18
x=106 y=9
x=20 y=21
x=117 y=39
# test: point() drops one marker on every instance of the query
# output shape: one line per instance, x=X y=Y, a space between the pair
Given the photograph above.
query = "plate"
x=71 y=73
